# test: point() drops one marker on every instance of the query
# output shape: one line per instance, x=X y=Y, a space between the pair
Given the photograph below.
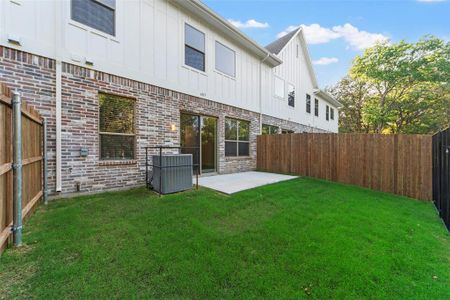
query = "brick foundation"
x=289 y=125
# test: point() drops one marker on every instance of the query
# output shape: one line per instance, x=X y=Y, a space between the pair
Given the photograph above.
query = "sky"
x=337 y=31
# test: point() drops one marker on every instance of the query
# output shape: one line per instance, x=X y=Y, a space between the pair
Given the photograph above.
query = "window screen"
x=194 y=48
x=291 y=95
x=98 y=14
x=316 y=107
x=308 y=103
x=331 y=113
x=279 y=87
x=117 y=129
x=269 y=129
x=225 y=60
x=237 y=137
x=327 y=113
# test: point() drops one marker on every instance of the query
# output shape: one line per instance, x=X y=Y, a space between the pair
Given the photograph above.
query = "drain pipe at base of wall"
x=17 y=170
x=261 y=91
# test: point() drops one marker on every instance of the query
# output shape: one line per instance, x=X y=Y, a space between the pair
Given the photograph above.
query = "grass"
x=302 y=238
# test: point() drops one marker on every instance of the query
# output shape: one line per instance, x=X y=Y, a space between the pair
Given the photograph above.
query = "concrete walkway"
x=236 y=182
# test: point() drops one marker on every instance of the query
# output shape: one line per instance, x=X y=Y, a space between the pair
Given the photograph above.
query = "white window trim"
x=287 y=94
x=235 y=60
x=284 y=88
x=89 y=29
x=183 y=42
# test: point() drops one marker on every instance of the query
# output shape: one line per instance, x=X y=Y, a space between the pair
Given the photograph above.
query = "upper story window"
x=316 y=107
x=296 y=50
x=225 y=60
x=237 y=137
x=291 y=95
x=194 y=48
x=287 y=131
x=269 y=129
x=327 y=113
x=98 y=14
x=308 y=103
x=331 y=113
x=117 y=127
x=279 y=87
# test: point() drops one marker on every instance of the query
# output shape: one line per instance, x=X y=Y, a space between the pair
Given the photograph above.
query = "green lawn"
x=296 y=239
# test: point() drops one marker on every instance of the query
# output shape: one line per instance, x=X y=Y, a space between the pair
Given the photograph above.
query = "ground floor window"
x=286 y=131
x=237 y=137
x=117 y=127
x=269 y=129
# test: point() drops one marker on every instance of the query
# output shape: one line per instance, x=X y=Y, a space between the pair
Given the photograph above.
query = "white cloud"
x=248 y=24
x=358 y=39
x=323 y=61
x=316 y=34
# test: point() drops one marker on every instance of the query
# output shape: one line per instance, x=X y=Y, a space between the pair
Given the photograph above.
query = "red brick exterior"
x=156 y=110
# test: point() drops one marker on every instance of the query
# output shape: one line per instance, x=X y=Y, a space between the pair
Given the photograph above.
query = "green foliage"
x=399 y=88
x=296 y=239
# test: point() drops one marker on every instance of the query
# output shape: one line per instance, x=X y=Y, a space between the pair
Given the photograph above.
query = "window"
x=316 y=107
x=327 y=116
x=331 y=113
x=237 y=136
x=225 y=60
x=286 y=131
x=296 y=50
x=117 y=136
x=308 y=103
x=194 y=48
x=98 y=14
x=291 y=95
x=279 y=87
x=269 y=129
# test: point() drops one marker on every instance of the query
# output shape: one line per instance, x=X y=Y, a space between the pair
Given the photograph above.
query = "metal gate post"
x=17 y=169
x=45 y=167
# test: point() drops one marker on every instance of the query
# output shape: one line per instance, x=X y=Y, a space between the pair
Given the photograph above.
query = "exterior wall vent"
x=172 y=174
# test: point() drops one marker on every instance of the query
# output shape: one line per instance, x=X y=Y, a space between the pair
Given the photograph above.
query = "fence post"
x=45 y=167
x=17 y=169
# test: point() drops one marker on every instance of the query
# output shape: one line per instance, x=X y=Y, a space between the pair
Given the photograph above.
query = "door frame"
x=216 y=148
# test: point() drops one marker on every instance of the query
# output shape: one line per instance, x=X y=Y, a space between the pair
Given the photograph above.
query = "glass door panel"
x=190 y=136
x=208 y=140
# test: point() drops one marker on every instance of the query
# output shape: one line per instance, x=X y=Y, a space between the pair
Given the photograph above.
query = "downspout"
x=261 y=91
x=17 y=170
x=58 y=84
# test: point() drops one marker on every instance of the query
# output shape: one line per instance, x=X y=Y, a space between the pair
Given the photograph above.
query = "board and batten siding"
x=294 y=70
x=148 y=46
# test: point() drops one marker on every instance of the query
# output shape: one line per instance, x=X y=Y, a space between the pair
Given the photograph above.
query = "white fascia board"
x=203 y=12
x=327 y=97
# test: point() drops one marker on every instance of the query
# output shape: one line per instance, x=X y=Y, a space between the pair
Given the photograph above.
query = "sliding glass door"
x=200 y=131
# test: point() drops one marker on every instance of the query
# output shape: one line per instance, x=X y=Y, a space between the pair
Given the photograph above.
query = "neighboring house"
x=112 y=77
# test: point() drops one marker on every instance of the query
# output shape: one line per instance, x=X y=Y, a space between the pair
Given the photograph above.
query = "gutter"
x=58 y=94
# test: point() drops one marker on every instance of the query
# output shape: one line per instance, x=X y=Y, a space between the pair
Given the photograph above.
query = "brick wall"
x=156 y=109
x=289 y=125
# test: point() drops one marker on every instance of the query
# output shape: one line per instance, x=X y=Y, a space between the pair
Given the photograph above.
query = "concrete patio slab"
x=236 y=182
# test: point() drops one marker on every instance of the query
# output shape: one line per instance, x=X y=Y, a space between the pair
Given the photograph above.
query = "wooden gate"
x=31 y=161
x=441 y=174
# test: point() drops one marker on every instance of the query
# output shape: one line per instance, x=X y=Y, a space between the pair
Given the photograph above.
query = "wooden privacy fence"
x=31 y=162
x=399 y=164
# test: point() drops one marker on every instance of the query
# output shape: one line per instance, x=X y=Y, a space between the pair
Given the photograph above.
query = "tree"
x=403 y=87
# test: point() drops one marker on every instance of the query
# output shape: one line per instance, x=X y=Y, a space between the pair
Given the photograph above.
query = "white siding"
x=294 y=70
x=148 y=47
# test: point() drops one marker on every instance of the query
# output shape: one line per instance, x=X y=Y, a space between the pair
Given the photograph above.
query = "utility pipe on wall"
x=17 y=170
x=45 y=168
x=58 y=125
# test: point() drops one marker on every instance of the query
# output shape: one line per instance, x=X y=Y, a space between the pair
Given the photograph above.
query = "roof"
x=327 y=97
x=200 y=10
x=276 y=46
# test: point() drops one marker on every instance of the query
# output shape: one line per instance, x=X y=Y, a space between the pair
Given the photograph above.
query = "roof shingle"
x=276 y=46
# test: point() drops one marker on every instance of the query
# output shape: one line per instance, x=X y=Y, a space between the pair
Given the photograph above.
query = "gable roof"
x=204 y=13
x=276 y=46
